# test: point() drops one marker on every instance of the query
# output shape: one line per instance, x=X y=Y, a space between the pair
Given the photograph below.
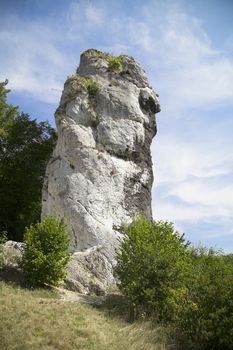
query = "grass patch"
x=93 y=53
x=92 y=87
x=36 y=319
x=78 y=84
x=115 y=63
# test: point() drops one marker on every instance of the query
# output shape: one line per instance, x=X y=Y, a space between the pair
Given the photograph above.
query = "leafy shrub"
x=115 y=63
x=93 y=53
x=3 y=237
x=46 y=252
x=92 y=87
x=228 y=258
x=192 y=288
x=78 y=84
x=152 y=263
x=206 y=313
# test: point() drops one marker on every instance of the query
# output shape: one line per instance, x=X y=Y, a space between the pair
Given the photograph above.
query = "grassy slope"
x=33 y=320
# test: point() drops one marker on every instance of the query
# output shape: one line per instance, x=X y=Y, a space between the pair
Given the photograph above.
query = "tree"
x=46 y=253
x=25 y=147
x=7 y=111
x=152 y=263
x=205 y=314
x=191 y=288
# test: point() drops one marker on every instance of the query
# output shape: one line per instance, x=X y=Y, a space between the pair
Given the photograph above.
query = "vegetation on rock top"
x=78 y=83
x=93 y=53
x=114 y=62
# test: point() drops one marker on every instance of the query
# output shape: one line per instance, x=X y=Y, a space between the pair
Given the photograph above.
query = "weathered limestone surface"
x=12 y=253
x=100 y=174
x=10 y=256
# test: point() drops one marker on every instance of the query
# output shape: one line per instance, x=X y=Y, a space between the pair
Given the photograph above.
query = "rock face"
x=12 y=253
x=100 y=174
x=10 y=256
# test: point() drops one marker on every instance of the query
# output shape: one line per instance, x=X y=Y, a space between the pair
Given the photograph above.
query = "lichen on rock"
x=100 y=174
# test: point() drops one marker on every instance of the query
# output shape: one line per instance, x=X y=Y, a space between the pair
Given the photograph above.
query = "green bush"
x=205 y=315
x=114 y=63
x=191 y=288
x=46 y=253
x=152 y=264
x=3 y=237
x=92 y=87
x=93 y=53
x=78 y=84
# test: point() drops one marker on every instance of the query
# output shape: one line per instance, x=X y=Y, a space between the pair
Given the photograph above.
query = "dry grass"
x=33 y=320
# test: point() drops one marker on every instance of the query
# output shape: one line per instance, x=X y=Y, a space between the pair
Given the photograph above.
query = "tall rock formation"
x=100 y=174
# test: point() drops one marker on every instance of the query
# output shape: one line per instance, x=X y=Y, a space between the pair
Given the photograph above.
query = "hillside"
x=40 y=319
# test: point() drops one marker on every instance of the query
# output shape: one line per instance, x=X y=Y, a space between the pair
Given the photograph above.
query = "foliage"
x=46 y=253
x=25 y=147
x=228 y=258
x=93 y=53
x=152 y=264
x=80 y=81
x=92 y=87
x=189 y=287
x=3 y=237
x=206 y=312
x=115 y=63
x=79 y=84
x=7 y=111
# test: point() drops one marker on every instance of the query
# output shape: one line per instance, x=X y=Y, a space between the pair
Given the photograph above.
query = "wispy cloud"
x=32 y=62
x=95 y=16
x=171 y=43
x=192 y=152
x=194 y=182
x=194 y=74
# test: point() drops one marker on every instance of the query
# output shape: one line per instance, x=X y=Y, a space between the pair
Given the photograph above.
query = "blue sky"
x=186 y=48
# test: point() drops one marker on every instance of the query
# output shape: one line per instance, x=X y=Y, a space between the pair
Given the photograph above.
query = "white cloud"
x=193 y=77
x=195 y=202
x=94 y=15
x=188 y=69
x=199 y=223
x=179 y=53
x=203 y=193
x=176 y=159
x=194 y=183
x=32 y=62
x=180 y=212
x=205 y=86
